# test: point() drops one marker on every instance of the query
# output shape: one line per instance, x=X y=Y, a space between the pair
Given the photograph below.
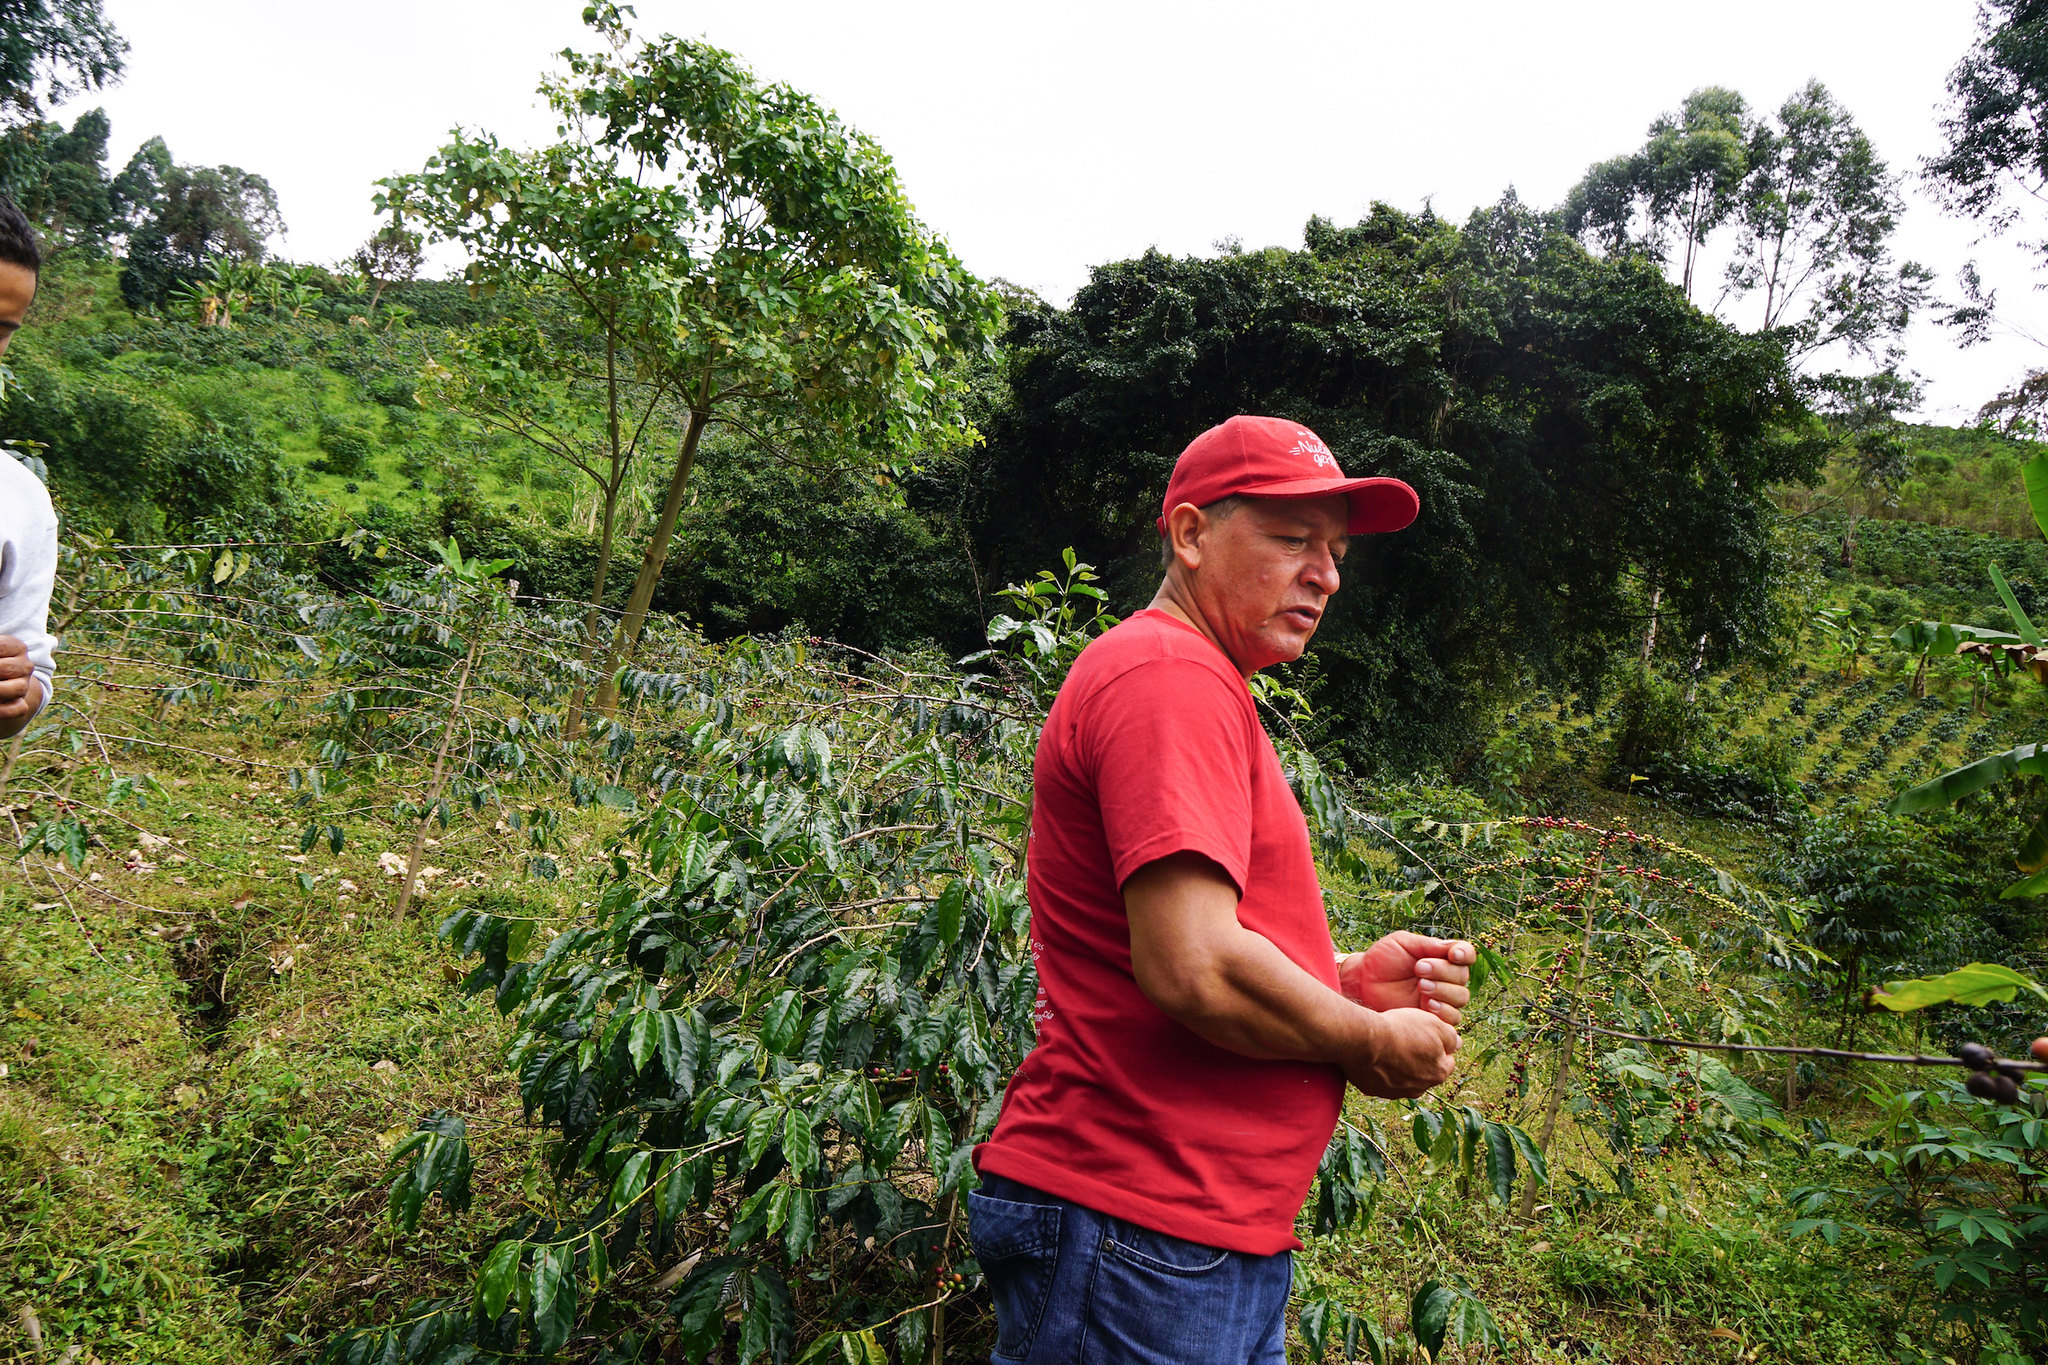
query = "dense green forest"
x=525 y=855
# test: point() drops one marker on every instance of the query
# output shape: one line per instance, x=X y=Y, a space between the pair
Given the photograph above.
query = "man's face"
x=1265 y=573
x=17 y=292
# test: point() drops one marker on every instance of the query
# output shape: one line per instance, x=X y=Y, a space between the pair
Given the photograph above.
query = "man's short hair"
x=18 y=244
x=1220 y=510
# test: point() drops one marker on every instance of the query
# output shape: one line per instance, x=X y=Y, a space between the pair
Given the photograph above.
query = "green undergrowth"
x=206 y=1066
x=216 y=1036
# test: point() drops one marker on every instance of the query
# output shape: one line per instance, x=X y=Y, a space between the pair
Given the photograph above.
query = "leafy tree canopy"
x=1685 y=181
x=51 y=50
x=1997 y=135
x=191 y=215
x=1816 y=215
x=59 y=177
x=755 y=257
x=1571 y=423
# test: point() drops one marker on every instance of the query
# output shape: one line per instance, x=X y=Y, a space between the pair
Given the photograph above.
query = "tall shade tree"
x=1683 y=183
x=391 y=256
x=1816 y=215
x=1570 y=422
x=197 y=213
x=51 y=50
x=1996 y=123
x=59 y=178
x=740 y=244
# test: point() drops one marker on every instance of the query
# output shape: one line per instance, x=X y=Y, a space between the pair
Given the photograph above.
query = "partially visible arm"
x=21 y=692
x=28 y=573
x=1234 y=988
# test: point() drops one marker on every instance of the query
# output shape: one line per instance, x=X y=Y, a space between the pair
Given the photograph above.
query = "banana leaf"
x=2034 y=473
x=1957 y=783
x=1942 y=637
x=2027 y=631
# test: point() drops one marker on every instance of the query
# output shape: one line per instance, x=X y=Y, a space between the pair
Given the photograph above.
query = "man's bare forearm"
x=1229 y=985
x=1236 y=989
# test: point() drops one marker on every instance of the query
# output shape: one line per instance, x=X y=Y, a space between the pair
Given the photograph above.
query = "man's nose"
x=1321 y=573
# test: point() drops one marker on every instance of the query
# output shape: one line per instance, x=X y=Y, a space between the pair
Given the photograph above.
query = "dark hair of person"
x=18 y=244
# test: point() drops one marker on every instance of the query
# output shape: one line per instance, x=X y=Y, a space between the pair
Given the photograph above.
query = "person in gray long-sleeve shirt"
x=28 y=523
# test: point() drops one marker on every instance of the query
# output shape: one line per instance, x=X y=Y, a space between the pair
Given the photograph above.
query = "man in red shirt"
x=1195 y=1026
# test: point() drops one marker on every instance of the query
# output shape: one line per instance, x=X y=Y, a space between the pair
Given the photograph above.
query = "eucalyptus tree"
x=1815 y=218
x=739 y=244
x=1684 y=181
x=1996 y=125
x=51 y=50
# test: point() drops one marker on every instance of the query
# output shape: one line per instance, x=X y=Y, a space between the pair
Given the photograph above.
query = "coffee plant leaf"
x=1531 y=1154
x=64 y=837
x=1449 y=1313
x=782 y=1023
x=938 y=1142
x=1427 y=1126
x=643 y=1037
x=768 y=1324
x=762 y=1129
x=553 y=1298
x=631 y=1179
x=1500 y=1161
x=799 y=1143
x=679 y=1042
x=495 y=1283
x=947 y=911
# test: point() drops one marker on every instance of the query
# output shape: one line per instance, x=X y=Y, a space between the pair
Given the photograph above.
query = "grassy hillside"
x=215 y=1034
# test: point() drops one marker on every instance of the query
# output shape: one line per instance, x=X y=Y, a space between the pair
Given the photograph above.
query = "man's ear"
x=1186 y=527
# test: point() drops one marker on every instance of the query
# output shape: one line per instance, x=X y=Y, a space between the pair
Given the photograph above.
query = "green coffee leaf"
x=495 y=1281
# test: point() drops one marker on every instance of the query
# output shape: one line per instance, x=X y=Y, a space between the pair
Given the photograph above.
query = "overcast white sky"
x=1042 y=139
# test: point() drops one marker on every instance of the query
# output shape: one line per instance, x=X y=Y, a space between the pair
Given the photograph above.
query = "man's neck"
x=1170 y=601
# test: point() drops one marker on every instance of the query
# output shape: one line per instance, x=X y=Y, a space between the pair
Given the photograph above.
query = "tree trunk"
x=620 y=463
x=593 y=619
x=1919 y=688
x=1650 y=635
x=628 y=634
x=1699 y=661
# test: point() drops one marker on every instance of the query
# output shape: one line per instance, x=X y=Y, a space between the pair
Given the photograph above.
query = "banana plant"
x=1851 y=640
x=1925 y=640
x=2024 y=760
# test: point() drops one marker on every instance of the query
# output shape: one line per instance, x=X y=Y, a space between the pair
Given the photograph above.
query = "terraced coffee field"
x=1841 y=740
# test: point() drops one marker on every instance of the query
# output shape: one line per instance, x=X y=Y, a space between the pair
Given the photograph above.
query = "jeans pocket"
x=1168 y=1301
x=1159 y=1252
x=1017 y=1247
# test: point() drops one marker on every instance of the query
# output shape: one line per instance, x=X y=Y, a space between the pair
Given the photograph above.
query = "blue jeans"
x=1074 y=1287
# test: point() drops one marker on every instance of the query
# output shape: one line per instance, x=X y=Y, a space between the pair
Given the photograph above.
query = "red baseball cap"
x=1267 y=457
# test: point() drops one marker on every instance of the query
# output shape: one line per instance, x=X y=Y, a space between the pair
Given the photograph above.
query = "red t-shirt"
x=1154 y=747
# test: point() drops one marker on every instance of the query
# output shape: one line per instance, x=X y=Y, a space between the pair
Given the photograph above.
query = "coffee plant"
x=766 y=1056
